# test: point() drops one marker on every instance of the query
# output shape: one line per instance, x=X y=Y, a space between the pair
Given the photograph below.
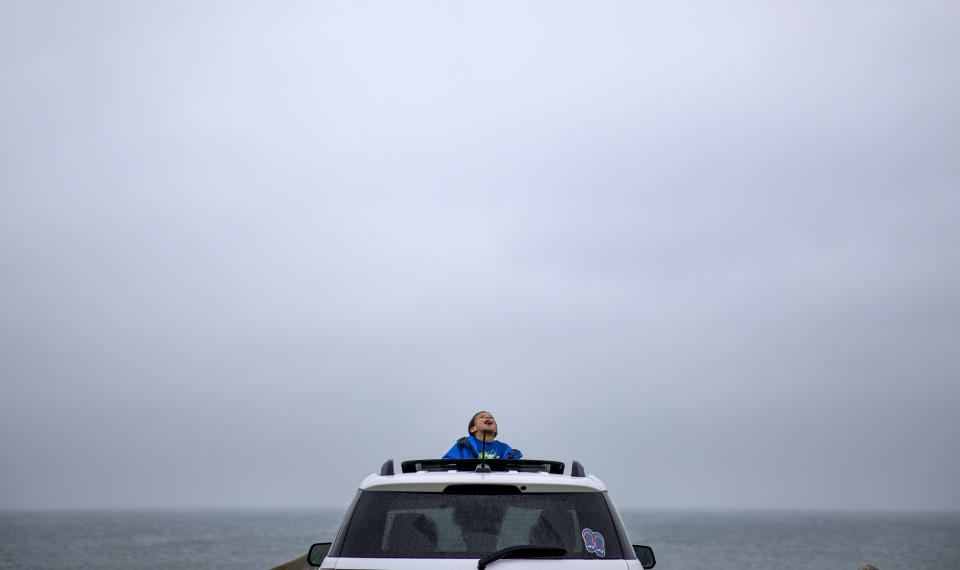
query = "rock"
x=299 y=563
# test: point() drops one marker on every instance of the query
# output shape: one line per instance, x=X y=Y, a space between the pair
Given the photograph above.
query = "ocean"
x=682 y=540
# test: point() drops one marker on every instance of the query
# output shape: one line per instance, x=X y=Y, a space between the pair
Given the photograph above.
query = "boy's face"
x=484 y=422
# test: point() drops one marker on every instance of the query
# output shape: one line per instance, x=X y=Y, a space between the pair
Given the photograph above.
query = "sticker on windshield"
x=594 y=542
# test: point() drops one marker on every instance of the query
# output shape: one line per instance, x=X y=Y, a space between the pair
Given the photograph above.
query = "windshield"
x=465 y=524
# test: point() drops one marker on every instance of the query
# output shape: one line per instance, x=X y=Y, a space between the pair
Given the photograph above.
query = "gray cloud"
x=250 y=252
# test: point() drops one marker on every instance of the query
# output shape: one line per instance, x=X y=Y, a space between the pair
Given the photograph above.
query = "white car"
x=468 y=513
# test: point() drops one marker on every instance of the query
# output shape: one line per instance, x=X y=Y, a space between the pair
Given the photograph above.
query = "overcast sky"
x=250 y=251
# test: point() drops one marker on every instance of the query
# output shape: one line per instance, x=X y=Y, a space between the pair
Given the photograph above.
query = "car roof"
x=430 y=475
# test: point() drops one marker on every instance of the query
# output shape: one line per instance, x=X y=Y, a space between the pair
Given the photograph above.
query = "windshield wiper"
x=524 y=551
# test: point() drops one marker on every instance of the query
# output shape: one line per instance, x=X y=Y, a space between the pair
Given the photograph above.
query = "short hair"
x=474 y=418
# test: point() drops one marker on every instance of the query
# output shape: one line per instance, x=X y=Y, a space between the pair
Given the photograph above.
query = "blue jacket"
x=469 y=448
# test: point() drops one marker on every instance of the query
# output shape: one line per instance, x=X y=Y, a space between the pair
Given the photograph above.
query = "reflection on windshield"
x=438 y=525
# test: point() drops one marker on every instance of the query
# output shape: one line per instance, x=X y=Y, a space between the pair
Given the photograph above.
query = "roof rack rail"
x=576 y=470
x=522 y=465
x=387 y=467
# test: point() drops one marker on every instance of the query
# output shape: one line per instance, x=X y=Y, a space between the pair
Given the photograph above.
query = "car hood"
x=471 y=564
